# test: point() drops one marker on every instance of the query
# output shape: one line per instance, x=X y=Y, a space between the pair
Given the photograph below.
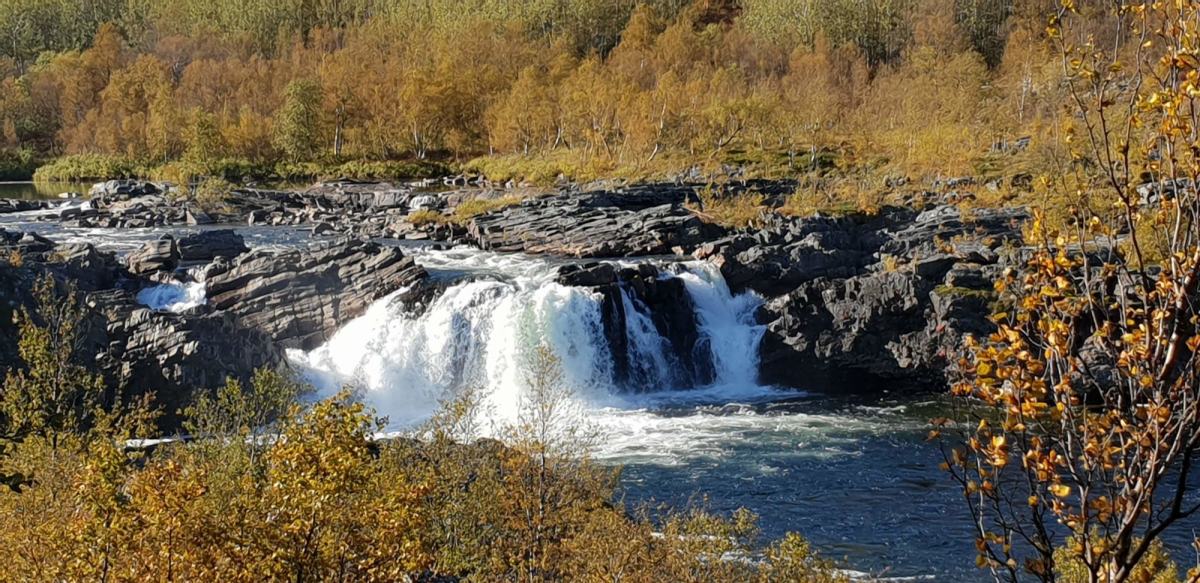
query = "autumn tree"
x=203 y=138
x=52 y=393
x=298 y=121
x=526 y=119
x=1084 y=458
x=985 y=22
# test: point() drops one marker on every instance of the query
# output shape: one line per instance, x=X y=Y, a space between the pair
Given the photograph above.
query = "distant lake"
x=41 y=190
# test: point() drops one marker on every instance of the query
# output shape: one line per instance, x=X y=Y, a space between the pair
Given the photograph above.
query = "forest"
x=533 y=91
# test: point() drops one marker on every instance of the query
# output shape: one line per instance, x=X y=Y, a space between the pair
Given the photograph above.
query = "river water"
x=42 y=190
x=851 y=472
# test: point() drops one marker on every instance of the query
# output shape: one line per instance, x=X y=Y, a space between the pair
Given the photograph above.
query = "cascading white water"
x=651 y=361
x=482 y=332
x=726 y=323
x=173 y=297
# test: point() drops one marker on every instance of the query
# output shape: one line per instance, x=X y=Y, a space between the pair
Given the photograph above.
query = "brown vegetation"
x=534 y=90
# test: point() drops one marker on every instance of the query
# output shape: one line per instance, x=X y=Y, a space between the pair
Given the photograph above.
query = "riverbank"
x=853 y=300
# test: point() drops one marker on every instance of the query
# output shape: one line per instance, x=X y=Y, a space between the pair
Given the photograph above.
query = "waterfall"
x=651 y=359
x=727 y=324
x=481 y=332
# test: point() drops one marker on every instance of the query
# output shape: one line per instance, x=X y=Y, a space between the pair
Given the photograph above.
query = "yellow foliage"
x=477 y=206
x=731 y=209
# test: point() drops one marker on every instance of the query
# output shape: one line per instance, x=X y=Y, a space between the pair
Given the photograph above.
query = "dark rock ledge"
x=872 y=302
x=259 y=304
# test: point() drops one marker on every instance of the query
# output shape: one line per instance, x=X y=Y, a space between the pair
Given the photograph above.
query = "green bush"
x=387 y=170
x=475 y=207
x=79 y=167
x=17 y=164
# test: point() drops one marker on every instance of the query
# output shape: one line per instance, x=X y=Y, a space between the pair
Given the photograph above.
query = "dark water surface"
x=41 y=190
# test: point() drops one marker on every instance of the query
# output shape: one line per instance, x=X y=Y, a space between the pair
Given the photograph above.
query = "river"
x=852 y=472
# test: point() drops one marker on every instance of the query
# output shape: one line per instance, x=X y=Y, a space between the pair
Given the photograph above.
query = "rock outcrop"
x=300 y=297
x=161 y=254
x=636 y=221
x=260 y=303
x=870 y=301
x=175 y=355
x=211 y=244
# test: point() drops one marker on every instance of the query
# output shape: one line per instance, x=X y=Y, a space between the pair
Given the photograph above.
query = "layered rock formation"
x=881 y=301
x=852 y=300
x=260 y=303
x=300 y=297
x=636 y=221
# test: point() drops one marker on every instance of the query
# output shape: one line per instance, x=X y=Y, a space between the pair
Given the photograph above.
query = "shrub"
x=212 y=192
x=736 y=210
x=17 y=164
x=387 y=170
x=423 y=217
x=478 y=206
x=80 y=167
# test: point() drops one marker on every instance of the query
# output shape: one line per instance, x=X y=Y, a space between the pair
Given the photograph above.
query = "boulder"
x=197 y=217
x=154 y=256
x=208 y=245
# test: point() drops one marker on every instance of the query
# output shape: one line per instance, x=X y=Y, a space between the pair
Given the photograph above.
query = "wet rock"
x=300 y=297
x=19 y=205
x=592 y=274
x=639 y=303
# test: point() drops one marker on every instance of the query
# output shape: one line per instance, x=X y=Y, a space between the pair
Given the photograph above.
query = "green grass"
x=79 y=167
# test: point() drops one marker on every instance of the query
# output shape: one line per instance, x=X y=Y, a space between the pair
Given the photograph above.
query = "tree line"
x=532 y=89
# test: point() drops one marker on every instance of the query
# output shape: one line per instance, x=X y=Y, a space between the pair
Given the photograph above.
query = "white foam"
x=173 y=297
x=482 y=333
